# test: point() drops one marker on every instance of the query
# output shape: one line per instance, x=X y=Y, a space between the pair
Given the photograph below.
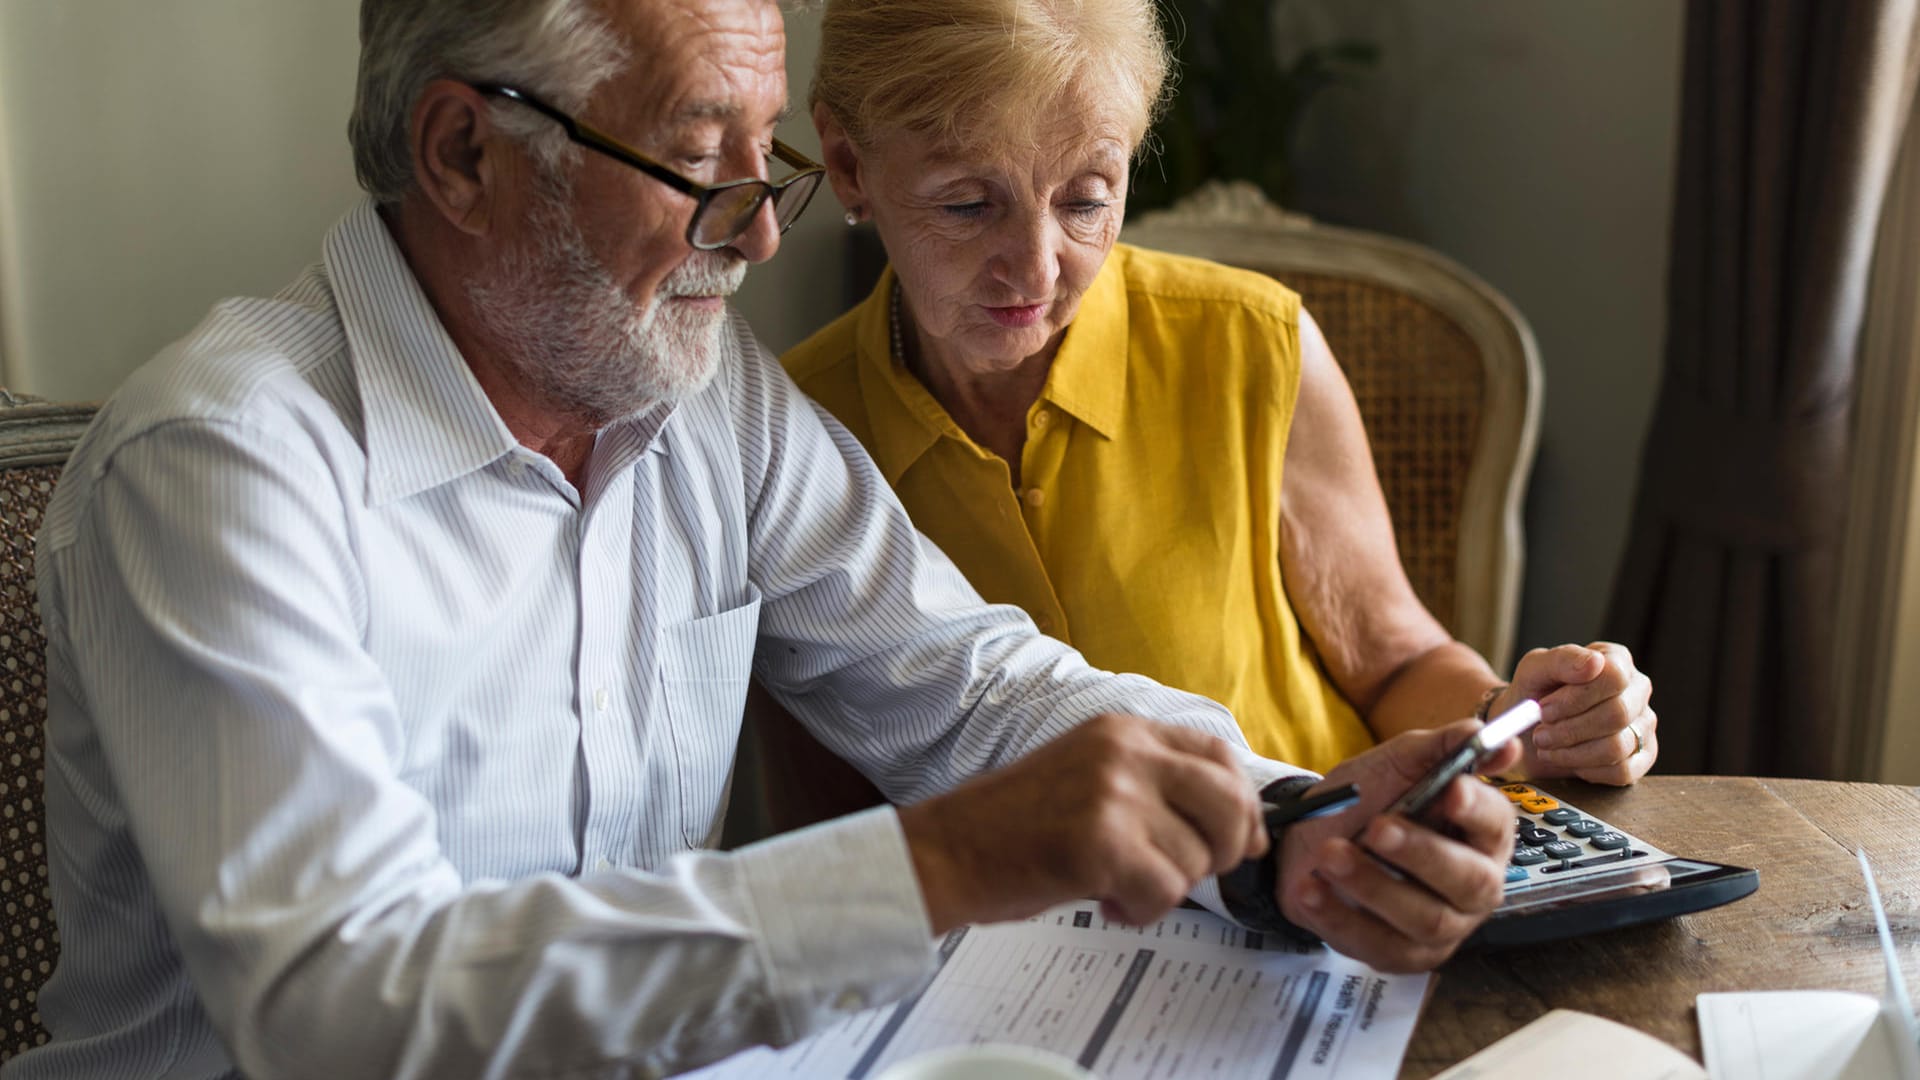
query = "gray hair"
x=559 y=50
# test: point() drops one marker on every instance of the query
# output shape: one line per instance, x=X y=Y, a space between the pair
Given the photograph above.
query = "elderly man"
x=399 y=627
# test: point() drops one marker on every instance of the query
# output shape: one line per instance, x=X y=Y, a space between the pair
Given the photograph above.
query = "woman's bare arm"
x=1383 y=649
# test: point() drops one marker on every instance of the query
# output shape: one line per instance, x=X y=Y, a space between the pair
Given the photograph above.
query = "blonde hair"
x=984 y=72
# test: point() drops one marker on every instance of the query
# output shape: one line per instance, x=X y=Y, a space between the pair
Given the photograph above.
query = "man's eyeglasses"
x=721 y=212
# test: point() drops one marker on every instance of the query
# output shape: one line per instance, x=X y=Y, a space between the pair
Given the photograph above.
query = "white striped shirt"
x=376 y=750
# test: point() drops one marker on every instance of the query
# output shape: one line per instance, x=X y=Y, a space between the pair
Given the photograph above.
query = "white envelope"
x=1815 y=1034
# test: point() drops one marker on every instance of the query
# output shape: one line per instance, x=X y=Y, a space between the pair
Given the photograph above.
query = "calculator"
x=1573 y=874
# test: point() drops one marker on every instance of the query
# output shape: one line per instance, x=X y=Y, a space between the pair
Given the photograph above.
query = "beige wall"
x=1533 y=141
x=166 y=154
x=163 y=155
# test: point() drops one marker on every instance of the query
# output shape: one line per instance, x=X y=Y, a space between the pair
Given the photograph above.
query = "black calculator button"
x=1585 y=828
x=1562 y=849
x=1528 y=855
x=1537 y=837
x=1561 y=816
x=1609 y=840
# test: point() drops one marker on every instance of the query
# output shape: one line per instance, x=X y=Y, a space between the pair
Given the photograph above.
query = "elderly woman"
x=1156 y=457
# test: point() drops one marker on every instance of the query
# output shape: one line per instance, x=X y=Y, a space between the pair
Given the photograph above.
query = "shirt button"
x=600 y=699
x=601 y=863
x=1042 y=416
x=850 y=1001
x=1034 y=497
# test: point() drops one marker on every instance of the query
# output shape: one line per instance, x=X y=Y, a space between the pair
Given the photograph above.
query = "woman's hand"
x=1596 y=722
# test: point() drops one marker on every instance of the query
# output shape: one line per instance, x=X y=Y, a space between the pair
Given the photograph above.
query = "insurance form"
x=1189 y=996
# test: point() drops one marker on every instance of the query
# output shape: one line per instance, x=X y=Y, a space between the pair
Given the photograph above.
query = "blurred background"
x=162 y=156
x=155 y=157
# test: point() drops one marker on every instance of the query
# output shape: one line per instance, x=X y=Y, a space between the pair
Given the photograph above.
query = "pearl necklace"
x=893 y=327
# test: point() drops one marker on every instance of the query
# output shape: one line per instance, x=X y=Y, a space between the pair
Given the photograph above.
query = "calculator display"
x=1628 y=882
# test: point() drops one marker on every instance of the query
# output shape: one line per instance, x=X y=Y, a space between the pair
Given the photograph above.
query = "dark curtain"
x=1791 y=119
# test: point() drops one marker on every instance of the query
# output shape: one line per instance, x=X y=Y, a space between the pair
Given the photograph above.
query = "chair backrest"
x=1447 y=377
x=35 y=439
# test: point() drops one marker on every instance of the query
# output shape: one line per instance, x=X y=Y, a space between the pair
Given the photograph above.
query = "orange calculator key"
x=1539 y=804
x=1518 y=792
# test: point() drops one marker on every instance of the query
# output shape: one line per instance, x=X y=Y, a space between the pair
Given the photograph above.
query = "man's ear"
x=842 y=160
x=458 y=166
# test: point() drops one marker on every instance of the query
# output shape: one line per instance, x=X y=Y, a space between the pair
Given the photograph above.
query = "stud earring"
x=853 y=217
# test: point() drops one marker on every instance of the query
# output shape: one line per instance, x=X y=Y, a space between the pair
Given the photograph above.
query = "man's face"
x=597 y=299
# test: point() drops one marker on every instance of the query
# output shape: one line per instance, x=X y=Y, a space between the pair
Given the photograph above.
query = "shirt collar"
x=906 y=418
x=427 y=419
x=1088 y=379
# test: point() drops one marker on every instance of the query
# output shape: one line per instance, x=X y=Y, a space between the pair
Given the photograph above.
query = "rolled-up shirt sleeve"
x=254 y=748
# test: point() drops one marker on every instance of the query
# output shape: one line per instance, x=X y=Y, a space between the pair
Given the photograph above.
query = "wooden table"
x=1809 y=926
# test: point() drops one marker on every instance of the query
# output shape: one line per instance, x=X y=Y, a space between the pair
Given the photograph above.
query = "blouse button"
x=1041 y=416
x=1034 y=497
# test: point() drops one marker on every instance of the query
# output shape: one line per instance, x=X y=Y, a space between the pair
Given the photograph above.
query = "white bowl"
x=987 y=1061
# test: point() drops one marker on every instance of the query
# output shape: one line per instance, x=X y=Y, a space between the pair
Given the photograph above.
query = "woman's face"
x=994 y=248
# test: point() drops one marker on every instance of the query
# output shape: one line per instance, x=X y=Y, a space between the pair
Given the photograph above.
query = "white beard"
x=570 y=335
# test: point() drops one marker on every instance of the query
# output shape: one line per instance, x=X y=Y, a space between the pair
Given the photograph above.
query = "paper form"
x=1189 y=996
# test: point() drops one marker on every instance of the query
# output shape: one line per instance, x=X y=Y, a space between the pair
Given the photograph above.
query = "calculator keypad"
x=1553 y=840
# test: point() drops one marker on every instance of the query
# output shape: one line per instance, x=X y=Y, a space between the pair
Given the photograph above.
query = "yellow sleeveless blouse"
x=1147 y=532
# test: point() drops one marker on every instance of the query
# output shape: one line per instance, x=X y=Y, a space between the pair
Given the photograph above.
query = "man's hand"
x=1596 y=721
x=1122 y=809
x=1412 y=915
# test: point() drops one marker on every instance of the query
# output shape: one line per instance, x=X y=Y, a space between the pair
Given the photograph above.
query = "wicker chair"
x=35 y=439
x=1447 y=377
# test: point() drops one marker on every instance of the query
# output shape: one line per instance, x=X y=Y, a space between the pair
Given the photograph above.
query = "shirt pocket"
x=705 y=665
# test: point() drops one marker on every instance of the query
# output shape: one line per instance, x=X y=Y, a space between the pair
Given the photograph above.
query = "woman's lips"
x=1019 y=316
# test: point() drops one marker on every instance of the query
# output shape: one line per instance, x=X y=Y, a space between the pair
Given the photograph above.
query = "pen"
x=1327 y=802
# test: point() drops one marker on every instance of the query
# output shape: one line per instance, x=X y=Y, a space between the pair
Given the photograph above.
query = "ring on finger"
x=1639 y=744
